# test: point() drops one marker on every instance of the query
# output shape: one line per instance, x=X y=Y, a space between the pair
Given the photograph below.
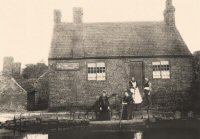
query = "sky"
x=26 y=25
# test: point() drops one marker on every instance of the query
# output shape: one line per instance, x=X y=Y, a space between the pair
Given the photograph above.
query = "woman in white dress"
x=137 y=98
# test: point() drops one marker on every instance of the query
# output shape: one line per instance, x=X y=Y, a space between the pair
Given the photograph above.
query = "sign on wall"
x=67 y=66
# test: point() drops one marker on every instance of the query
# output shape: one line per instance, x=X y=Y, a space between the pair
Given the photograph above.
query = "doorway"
x=137 y=71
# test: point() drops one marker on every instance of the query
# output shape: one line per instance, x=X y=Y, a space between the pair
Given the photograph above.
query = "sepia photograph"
x=99 y=69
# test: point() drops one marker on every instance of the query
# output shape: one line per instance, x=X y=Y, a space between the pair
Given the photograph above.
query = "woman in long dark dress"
x=104 y=107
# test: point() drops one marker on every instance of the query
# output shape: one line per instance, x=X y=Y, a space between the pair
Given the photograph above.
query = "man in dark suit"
x=127 y=104
x=147 y=92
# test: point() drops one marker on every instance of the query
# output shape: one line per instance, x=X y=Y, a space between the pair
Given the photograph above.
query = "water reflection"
x=88 y=134
x=9 y=134
x=28 y=136
x=35 y=136
x=96 y=135
x=73 y=134
x=138 y=135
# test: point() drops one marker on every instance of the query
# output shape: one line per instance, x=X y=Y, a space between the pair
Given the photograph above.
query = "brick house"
x=86 y=58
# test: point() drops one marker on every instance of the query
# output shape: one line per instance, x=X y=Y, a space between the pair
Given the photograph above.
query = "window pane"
x=92 y=70
x=95 y=70
x=157 y=67
x=91 y=76
x=167 y=67
x=156 y=74
x=165 y=74
x=155 y=63
x=91 y=64
x=104 y=70
x=101 y=64
x=101 y=76
x=98 y=70
x=162 y=67
x=154 y=68
x=164 y=62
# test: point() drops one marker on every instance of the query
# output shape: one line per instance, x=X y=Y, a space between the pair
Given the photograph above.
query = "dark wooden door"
x=137 y=71
x=31 y=100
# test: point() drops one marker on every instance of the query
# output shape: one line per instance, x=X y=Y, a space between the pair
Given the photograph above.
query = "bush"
x=171 y=101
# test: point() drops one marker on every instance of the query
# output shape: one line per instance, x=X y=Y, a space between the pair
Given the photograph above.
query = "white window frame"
x=161 y=70
x=96 y=71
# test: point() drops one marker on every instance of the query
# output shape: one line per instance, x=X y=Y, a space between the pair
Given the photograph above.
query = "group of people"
x=131 y=99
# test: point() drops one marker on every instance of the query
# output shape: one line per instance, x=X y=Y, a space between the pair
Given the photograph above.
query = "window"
x=161 y=70
x=96 y=71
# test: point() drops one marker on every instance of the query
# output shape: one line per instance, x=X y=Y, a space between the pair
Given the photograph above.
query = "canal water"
x=86 y=134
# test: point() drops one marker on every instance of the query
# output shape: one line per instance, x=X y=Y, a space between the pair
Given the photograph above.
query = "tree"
x=34 y=70
x=195 y=90
x=197 y=66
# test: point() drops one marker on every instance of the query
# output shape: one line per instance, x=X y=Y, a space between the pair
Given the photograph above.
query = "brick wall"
x=73 y=86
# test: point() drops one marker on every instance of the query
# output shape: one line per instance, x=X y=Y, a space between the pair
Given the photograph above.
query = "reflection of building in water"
x=138 y=135
x=36 y=136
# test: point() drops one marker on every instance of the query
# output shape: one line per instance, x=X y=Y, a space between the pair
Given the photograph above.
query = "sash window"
x=96 y=71
x=161 y=70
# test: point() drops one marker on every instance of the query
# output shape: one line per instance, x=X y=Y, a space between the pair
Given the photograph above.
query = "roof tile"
x=119 y=39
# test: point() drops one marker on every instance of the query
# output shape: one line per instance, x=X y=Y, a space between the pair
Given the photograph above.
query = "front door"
x=136 y=70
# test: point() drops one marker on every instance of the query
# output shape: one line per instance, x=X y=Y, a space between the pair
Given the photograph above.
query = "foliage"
x=195 y=90
x=30 y=75
x=171 y=101
x=196 y=63
x=27 y=84
x=34 y=70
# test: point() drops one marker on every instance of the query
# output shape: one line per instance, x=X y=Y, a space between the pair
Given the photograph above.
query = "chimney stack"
x=77 y=51
x=7 y=66
x=169 y=14
x=77 y=15
x=57 y=16
x=16 y=69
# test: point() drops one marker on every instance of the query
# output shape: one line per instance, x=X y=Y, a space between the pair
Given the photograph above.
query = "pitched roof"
x=10 y=85
x=119 y=39
x=12 y=95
